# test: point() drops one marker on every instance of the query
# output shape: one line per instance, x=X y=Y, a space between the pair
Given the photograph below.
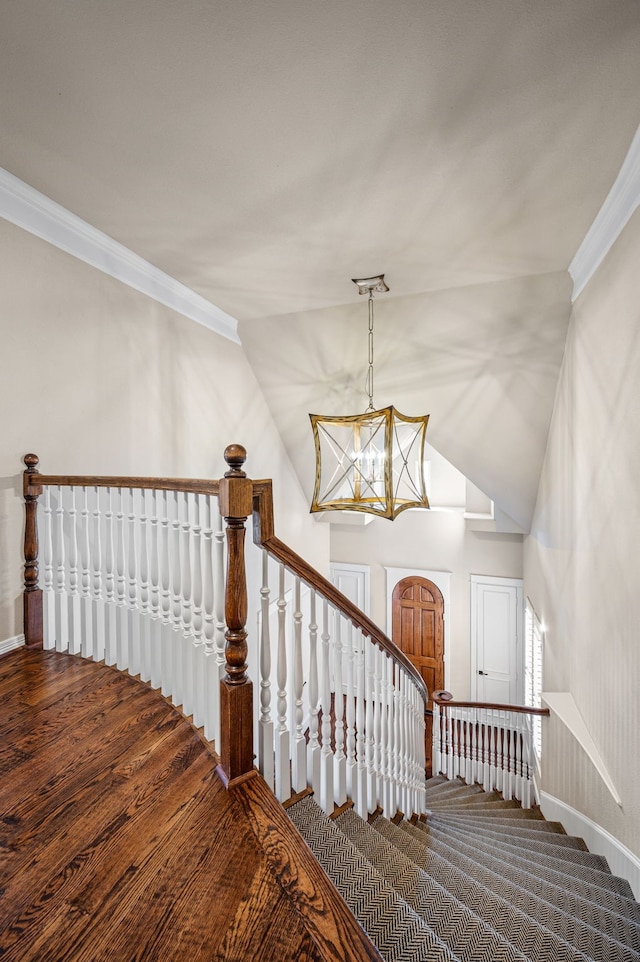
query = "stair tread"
x=466 y=934
x=571 y=861
x=524 y=825
x=523 y=868
x=536 y=940
x=593 y=927
x=398 y=932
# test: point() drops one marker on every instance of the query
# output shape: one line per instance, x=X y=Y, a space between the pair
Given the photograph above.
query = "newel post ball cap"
x=235 y=456
x=31 y=460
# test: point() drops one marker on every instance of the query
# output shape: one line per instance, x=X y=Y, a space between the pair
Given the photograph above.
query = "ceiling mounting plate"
x=368 y=284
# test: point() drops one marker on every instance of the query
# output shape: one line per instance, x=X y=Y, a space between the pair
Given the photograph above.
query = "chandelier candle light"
x=371 y=462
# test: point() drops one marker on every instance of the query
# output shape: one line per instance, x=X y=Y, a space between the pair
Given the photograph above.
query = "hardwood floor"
x=117 y=839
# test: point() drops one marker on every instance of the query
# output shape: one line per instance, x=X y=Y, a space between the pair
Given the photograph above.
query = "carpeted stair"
x=481 y=880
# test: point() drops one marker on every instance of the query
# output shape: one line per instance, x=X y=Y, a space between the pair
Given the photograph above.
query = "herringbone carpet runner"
x=482 y=880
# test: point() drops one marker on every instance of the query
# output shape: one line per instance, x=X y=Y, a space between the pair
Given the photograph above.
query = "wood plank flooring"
x=117 y=839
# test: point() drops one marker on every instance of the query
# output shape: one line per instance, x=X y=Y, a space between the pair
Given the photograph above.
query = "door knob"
x=482 y=672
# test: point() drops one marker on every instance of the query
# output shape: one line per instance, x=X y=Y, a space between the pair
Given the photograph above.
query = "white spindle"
x=209 y=590
x=339 y=758
x=166 y=608
x=110 y=612
x=49 y=598
x=326 y=761
x=350 y=703
x=62 y=610
x=265 y=724
x=198 y=675
x=176 y=595
x=360 y=793
x=122 y=615
x=391 y=802
x=186 y=639
x=377 y=724
x=368 y=652
x=299 y=753
x=144 y=611
x=385 y=757
x=133 y=661
x=313 y=748
x=75 y=627
x=155 y=610
x=96 y=568
x=282 y=757
x=219 y=569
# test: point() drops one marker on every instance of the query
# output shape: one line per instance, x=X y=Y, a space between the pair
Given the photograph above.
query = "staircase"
x=480 y=879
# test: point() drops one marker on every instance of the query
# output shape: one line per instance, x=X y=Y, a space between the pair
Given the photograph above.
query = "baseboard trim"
x=622 y=861
x=10 y=644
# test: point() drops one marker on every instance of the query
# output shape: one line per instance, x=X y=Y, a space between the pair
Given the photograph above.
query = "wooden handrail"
x=191 y=485
x=446 y=699
x=264 y=537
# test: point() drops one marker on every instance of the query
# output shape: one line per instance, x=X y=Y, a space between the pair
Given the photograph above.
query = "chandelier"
x=371 y=462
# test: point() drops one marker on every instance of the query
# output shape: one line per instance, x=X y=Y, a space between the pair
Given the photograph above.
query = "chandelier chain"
x=370 y=372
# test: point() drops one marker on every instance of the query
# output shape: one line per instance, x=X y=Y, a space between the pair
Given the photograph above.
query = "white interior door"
x=352 y=581
x=496 y=639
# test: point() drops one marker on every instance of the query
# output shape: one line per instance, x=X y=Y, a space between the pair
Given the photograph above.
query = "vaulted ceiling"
x=264 y=152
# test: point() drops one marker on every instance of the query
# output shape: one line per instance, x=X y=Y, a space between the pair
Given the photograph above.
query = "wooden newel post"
x=32 y=596
x=236 y=690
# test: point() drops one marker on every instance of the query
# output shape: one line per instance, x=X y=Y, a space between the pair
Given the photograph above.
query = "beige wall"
x=436 y=541
x=97 y=378
x=581 y=559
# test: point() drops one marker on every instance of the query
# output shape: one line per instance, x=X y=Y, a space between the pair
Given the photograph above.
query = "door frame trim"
x=442 y=579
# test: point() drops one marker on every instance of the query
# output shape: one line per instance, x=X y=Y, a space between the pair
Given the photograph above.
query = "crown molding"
x=621 y=202
x=36 y=213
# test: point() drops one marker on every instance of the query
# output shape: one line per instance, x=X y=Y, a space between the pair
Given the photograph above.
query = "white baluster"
x=75 y=626
x=122 y=625
x=186 y=639
x=368 y=653
x=110 y=611
x=402 y=743
x=313 y=749
x=350 y=703
x=220 y=626
x=176 y=596
x=360 y=794
x=377 y=725
x=326 y=760
x=166 y=609
x=211 y=679
x=385 y=735
x=449 y=741
x=219 y=572
x=144 y=610
x=133 y=662
x=96 y=572
x=339 y=758
x=265 y=725
x=436 y=757
x=392 y=801
x=299 y=752
x=526 y=722
x=282 y=756
x=198 y=676
x=49 y=597
x=155 y=611
x=62 y=608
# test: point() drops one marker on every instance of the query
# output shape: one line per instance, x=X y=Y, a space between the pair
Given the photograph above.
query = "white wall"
x=96 y=378
x=439 y=541
x=581 y=559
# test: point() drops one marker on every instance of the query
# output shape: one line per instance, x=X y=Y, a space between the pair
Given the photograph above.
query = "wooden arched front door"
x=418 y=630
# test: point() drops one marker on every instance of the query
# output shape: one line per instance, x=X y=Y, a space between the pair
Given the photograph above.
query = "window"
x=533 y=636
